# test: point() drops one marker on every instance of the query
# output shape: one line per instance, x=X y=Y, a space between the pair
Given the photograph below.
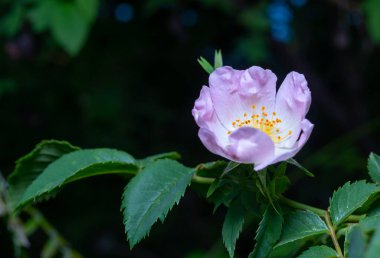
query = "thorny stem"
x=332 y=234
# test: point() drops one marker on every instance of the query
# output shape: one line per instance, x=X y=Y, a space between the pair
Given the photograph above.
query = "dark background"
x=134 y=82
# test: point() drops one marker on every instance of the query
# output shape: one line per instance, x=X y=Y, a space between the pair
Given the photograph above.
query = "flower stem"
x=318 y=211
x=332 y=234
x=202 y=180
x=302 y=206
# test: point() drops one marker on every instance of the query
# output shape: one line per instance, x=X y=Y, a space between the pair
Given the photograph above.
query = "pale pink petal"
x=258 y=87
x=210 y=141
x=203 y=110
x=282 y=154
x=205 y=116
x=293 y=100
x=250 y=145
x=224 y=86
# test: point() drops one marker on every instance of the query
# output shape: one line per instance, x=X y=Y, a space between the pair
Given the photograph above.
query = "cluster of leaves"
x=69 y=22
x=285 y=228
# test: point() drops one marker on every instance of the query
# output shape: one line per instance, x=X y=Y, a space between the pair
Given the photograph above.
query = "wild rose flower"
x=242 y=118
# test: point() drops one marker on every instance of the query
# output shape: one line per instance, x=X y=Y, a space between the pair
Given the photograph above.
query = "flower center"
x=264 y=122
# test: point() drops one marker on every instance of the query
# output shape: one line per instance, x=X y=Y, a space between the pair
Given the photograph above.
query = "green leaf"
x=300 y=225
x=349 y=198
x=321 y=251
x=355 y=243
x=232 y=226
x=88 y=8
x=205 y=65
x=371 y=9
x=77 y=165
x=374 y=245
x=268 y=233
x=218 y=59
x=298 y=165
x=151 y=194
x=167 y=155
x=69 y=27
x=29 y=167
x=374 y=167
x=369 y=223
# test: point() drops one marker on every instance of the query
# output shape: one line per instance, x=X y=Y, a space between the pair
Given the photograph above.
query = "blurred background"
x=123 y=74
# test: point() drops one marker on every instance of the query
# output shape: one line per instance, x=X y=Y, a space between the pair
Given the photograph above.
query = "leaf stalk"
x=333 y=235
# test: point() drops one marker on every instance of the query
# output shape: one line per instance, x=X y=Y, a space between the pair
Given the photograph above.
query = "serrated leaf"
x=302 y=168
x=374 y=167
x=218 y=59
x=151 y=194
x=167 y=155
x=349 y=198
x=300 y=225
x=205 y=65
x=321 y=251
x=355 y=242
x=77 y=165
x=69 y=27
x=373 y=250
x=268 y=233
x=29 y=167
x=232 y=226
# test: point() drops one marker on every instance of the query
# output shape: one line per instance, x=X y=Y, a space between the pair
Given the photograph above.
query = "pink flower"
x=242 y=118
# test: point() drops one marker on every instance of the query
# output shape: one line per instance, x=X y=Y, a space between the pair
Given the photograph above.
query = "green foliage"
x=151 y=194
x=151 y=159
x=319 y=252
x=268 y=233
x=160 y=181
x=301 y=225
x=372 y=9
x=355 y=242
x=76 y=165
x=349 y=198
x=374 y=167
x=69 y=27
x=232 y=226
x=69 y=22
x=374 y=245
x=29 y=167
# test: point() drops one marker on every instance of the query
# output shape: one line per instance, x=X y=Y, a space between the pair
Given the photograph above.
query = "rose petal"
x=250 y=145
x=282 y=154
x=210 y=141
x=203 y=110
x=258 y=87
x=293 y=100
x=224 y=85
